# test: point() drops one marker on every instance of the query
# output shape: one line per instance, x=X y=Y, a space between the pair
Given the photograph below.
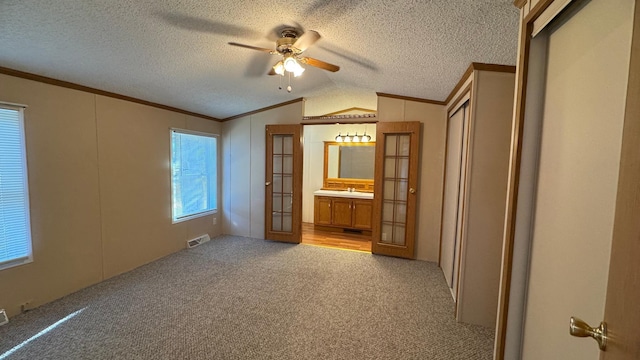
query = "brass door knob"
x=412 y=190
x=580 y=328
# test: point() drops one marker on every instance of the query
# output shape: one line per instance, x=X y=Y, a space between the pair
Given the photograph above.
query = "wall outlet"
x=3 y=317
x=25 y=306
x=215 y=220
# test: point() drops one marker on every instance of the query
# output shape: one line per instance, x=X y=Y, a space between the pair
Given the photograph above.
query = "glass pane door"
x=395 y=188
x=283 y=183
x=282 y=194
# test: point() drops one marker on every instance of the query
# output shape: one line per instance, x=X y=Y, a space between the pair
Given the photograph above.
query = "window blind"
x=194 y=175
x=15 y=234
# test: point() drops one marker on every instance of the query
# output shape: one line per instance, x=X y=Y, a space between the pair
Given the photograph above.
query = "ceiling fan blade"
x=350 y=56
x=272 y=72
x=253 y=48
x=204 y=25
x=319 y=64
x=306 y=40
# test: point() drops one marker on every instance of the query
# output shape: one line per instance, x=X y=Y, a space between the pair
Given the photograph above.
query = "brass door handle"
x=580 y=328
x=412 y=190
x=267 y=183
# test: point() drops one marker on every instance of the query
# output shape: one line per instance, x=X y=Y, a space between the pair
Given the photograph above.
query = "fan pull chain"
x=289 y=87
x=280 y=86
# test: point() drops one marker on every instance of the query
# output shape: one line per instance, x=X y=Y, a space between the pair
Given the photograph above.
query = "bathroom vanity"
x=346 y=198
x=343 y=209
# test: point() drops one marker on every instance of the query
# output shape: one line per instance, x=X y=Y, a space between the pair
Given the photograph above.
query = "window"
x=194 y=189
x=15 y=228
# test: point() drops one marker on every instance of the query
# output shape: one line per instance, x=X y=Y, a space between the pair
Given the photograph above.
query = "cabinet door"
x=322 y=211
x=362 y=210
x=341 y=212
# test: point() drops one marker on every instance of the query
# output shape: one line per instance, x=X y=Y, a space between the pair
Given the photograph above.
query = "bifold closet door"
x=453 y=199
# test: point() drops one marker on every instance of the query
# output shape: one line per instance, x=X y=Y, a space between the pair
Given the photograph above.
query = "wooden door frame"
x=522 y=72
x=629 y=168
x=625 y=246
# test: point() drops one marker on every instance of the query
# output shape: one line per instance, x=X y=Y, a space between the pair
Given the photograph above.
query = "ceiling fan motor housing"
x=285 y=43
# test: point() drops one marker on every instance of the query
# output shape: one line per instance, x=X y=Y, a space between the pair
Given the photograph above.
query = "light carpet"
x=242 y=298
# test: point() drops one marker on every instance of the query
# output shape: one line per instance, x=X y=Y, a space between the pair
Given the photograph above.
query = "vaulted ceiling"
x=176 y=52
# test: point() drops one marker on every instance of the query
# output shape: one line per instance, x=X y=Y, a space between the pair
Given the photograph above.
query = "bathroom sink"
x=344 y=193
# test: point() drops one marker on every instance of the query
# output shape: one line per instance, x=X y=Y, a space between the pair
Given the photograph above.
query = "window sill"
x=14 y=263
x=194 y=216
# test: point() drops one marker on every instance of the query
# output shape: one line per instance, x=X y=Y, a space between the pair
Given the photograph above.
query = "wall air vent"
x=3 y=317
x=197 y=241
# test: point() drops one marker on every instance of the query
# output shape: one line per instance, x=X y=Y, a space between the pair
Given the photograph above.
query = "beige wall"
x=489 y=142
x=99 y=189
x=429 y=205
x=244 y=170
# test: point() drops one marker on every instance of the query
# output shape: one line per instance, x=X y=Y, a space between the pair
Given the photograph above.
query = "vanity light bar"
x=353 y=138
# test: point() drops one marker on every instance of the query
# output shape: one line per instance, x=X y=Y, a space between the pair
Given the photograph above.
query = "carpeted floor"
x=241 y=298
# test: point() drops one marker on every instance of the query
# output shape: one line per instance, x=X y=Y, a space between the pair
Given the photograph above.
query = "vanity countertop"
x=345 y=194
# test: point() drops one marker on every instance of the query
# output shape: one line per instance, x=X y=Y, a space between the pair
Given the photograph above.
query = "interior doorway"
x=314 y=168
x=335 y=238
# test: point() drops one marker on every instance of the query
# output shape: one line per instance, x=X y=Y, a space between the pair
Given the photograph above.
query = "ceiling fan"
x=290 y=46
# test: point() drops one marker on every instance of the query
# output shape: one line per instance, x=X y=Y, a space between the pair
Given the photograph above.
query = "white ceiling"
x=175 y=52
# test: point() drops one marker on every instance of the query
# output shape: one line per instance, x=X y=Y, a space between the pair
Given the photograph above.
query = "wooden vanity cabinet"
x=322 y=211
x=362 y=214
x=342 y=212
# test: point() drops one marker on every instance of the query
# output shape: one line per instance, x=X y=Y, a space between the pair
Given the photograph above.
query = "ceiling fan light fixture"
x=292 y=65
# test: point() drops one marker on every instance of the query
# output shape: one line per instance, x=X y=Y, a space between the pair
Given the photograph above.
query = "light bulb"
x=279 y=68
x=347 y=138
x=297 y=72
x=338 y=138
x=356 y=138
x=290 y=64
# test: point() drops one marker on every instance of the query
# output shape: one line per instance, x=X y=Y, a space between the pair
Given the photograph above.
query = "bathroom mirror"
x=349 y=165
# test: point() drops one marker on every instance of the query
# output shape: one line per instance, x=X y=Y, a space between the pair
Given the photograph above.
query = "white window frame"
x=217 y=181
x=24 y=260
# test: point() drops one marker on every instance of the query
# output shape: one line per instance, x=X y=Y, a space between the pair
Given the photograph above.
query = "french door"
x=283 y=183
x=395 y=188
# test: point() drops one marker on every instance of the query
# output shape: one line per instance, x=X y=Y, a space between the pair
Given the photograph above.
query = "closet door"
x=453 y=201
x=577 y=194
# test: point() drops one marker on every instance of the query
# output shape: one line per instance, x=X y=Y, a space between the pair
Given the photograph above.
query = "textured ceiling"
x=175 y=52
